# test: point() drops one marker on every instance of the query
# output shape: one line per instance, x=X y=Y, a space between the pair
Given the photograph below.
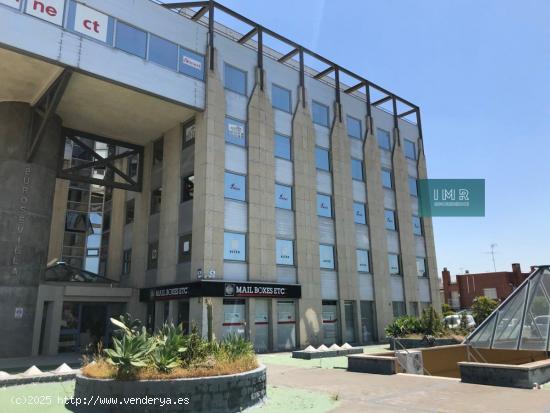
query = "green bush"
x=403 y=326
x=131 y=351
x=446 y=310
x=482 y=307
x=235 y=346
x=431 y=322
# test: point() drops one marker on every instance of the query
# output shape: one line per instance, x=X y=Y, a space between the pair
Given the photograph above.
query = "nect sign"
x=91 y=22
x=11 y=3
x=49 y=10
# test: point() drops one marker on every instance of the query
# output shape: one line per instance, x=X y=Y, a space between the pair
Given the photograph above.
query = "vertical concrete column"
x=59 y=212
x=169 y=207
x=261 y=188
x=273 y=318
x=116 y=232
x=377 y=231
x=343 y=218
x=27 y=192
x=307 y=230
x=140 y=245
x=251 y=317
x=404 y=221
x=208 y=200
x=429 y=237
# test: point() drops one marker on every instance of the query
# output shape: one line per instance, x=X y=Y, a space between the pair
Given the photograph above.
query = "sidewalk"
x=44 y=363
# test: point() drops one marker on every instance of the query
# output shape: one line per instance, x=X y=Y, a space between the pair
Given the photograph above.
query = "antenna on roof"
x=492 y=252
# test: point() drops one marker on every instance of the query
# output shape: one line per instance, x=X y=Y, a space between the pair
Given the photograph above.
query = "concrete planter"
x=230 y=393
x=523 y=376
x=311 y=355
x=375 y=364
x=419 y=343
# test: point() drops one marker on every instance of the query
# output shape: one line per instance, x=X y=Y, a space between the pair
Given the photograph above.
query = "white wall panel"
x=236 y=216
x=385 y=159
x=326 y=231
x=286 y=275
x=366 y=290
x=329 y=285
x=420 y=246
x=322 y=136
x=235 y=271
x=359 y=191
x=392 y=238
x=397 y=293
x=389 y=199
x=324 y=182
x=236 y=159
x=283 y=172
x=356 y=148
x=284 y=223
x=362 y=236
x=283 y=122
x=235 y=105
x=423 y=287
x=411 y=168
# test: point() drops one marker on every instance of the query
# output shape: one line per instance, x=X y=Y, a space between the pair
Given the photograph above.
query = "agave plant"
x=131 y=351
x=236 y=346
x=171 y=345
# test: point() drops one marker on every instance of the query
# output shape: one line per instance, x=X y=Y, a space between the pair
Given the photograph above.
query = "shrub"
x=403 y=326
x=131 y=351
x=482 y=307
x=446 y=310
x=235 y=346
x=431 y=322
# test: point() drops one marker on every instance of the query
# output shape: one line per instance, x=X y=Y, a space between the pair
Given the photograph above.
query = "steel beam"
x=289 y=55
x=44 y=109
x=383 y=100
x=324 y=73
x=203 y=10
x=248 y=36
x=185 y=4
x=407 y=113
x=354 y=88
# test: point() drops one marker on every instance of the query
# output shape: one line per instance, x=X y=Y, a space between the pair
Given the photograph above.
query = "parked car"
x=453 y=321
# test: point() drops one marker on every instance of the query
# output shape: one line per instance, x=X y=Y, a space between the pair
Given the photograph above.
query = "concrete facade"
x=183 y=226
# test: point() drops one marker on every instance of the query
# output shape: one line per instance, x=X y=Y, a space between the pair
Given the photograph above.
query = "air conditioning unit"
x=410 y=361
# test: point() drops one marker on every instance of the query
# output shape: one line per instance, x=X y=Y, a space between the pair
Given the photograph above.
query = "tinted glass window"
x=389 y=219
x=284 y=252
x=359 y=213
x=234 y=246
x=235 y=132
x=189 y=131
x=153 y=257
x=421 y=267
x=413 y=190
x=280 y=98
x=282 y=147
x=235 y=186
x=156 y=198
x=357 y=169
x=185 y=248
x=354 y=127
x=326 y=256
x=130 y=39
x=191 y=63
x=363 y=261
x=324 y=206
x=393 y=263
x=163 y=52
x=417 y=226
x=322 y=159
x=384 y=141
x=187 y=188
x=235 y=79
x=320 y=114
x=130 y=208
x=283 y=196
x=387 y=179
x=410 y=149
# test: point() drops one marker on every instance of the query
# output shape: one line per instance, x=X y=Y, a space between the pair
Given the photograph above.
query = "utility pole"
x=492 y=252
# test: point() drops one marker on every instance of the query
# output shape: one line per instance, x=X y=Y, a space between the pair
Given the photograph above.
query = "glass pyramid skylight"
x=522 y=321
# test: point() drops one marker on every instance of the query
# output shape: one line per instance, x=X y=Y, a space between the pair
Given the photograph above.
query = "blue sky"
x=480 y=71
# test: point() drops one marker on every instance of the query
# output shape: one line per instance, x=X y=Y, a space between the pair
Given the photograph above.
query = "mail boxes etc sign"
x=81 y=19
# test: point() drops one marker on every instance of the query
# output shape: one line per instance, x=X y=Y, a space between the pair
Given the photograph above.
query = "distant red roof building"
x=497 y=285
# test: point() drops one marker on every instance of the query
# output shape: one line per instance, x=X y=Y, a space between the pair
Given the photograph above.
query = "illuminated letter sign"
x=49 y=10
x=11 y=3
x=91 y=22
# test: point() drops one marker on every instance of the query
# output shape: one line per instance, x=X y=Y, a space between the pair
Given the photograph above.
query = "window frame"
x=399 y=270
x=227 y=65
x=409 y=180
x=286 y=241
x=291 y=196
x=333 y=257
x=150 y=37
x=245 y=252
x=355 y=161
x=127 y=261
x=378 y=139
x=390 y=172
x=184 y=142
x=225 y=131
x=276 y=136
x=115 y=38
x=408 y=141
x=154 y=211
x=185 y=194
x=394 y=215
x=185 y=256
x=284 y=89
x=130 y=205
x=320 y=148
x=244 y=189
x=330 y=205
x=360 y=250
x=425 y=263
x=152 y=263
x=317 y=103
x=360 y=137
x=363 y=209
x=420 y=226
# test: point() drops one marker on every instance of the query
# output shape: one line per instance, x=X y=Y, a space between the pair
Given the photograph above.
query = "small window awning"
x=62 y=272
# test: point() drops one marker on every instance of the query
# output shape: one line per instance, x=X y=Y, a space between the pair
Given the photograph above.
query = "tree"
x=446 y=310
x=482 y=307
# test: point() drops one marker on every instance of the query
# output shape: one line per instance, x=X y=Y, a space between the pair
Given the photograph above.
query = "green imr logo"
x=451 y=197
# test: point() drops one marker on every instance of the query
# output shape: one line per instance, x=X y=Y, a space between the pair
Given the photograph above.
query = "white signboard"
x=18 y=313
x=11 y=3
x=195 y=64
x=91 y=22
x=49 y=10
